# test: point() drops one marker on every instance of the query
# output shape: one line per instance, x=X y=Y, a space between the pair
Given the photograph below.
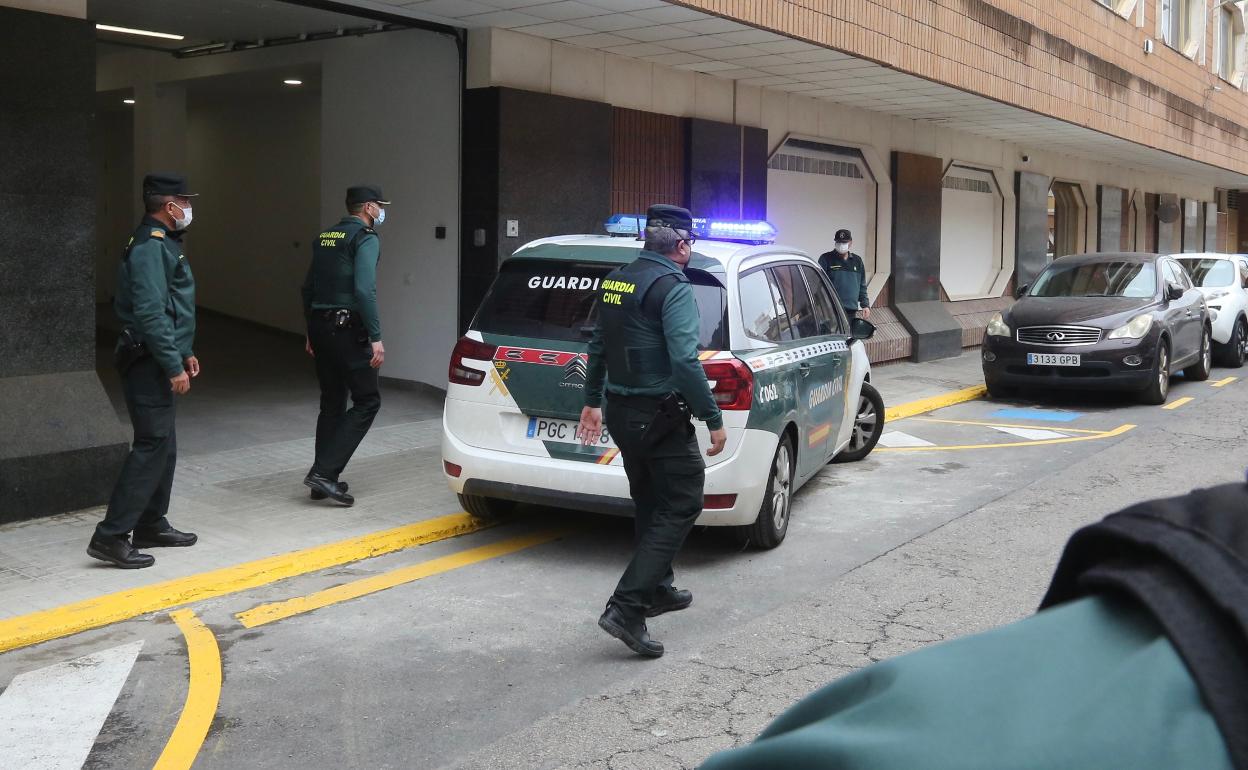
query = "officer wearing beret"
x=155 y=303
x=644 y=352
x=848 y=274
x=344 y=336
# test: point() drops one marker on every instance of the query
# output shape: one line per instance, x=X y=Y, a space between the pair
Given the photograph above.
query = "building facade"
x=965 y=143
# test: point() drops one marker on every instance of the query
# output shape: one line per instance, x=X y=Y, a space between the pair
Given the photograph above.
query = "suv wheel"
x=868 y=426
x=1236 y=349
x=1199 y=371
x=1156 y=392
x=772 y=524
x=486 y=508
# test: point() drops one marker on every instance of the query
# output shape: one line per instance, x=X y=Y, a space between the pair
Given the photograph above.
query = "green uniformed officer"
x=848 y=274
x=644 y=350
x=344 y=336
x=155 y=303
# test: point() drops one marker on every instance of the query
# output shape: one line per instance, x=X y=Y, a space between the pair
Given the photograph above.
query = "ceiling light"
x=127 y=101
x=293 y=82
x=143 y=32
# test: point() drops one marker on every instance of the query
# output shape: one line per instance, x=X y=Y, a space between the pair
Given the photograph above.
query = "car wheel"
x=868 y=426
x=1199 y=371
x=1000 y=391
x=772 y=524
x=1236 y=349
x=1157 y=391
x=486 y=508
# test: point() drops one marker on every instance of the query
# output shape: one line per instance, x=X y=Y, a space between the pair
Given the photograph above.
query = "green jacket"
x=1093 y=683
x=849 y=278
x=156 y=294
x=637 y=351
x=343 y=273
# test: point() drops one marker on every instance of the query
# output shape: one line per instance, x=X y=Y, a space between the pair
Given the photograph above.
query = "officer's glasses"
x=687 y=237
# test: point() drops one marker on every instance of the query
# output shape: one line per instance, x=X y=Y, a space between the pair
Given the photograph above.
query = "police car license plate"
x=1053 y=359
x=563 y=431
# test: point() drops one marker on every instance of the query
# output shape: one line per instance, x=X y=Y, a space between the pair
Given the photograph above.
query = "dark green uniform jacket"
x=343 y=273
x=849 y=278
x=654 y=349
x=1135 y=661
x=156 y=295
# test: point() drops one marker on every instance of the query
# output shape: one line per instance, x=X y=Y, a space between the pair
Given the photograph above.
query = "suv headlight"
x=997 y=327
x=1135 y=329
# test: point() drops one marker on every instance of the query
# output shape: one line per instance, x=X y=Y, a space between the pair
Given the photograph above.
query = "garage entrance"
x=272 y=110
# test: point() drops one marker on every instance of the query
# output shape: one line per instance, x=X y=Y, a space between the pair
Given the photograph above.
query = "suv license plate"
x=1053 y=359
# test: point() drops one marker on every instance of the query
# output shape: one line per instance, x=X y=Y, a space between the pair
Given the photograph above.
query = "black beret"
x=365 y=194
x=661 y=214
x=166 y=184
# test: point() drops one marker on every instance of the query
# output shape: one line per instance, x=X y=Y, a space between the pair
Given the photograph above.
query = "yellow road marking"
x=1121 y=429
x=68 y=619
x=202 y=693
x=1060 y=429
x=268 y=613
x=1221 y=383
x=912 y=408
x=1178 y=402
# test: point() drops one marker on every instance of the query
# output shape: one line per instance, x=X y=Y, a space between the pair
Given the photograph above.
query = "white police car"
x=792 y=379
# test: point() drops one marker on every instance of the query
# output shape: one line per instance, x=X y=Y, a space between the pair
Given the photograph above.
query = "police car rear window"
x=557 y=300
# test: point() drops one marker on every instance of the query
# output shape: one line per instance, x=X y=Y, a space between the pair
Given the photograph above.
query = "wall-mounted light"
x=293 y=82
x=127 y=101
x=142 y=32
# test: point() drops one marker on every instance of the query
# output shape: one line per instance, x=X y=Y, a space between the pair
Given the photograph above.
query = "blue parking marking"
x=532 y=427
x=1036 y=414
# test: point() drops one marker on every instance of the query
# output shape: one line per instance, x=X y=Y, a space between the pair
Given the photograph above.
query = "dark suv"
x=1103 y=321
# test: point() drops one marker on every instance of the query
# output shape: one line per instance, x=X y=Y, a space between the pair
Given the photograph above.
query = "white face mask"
x=381 y=216
x=185 y=222
x=842 y=248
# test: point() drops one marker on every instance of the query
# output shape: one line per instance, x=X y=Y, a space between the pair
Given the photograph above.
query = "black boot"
x=329 y=488
x=163 y=538
x=319 y=495
x=118 y=552
x=629 y=630
x=669 y=599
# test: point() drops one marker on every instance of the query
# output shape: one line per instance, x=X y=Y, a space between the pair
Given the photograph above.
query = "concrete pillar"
x=917 y=198
x=1031 y=230
x=61 y=445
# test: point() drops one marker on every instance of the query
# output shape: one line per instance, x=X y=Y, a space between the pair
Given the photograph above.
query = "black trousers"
x=141 y=498
x=342 y=357
x=666 y=483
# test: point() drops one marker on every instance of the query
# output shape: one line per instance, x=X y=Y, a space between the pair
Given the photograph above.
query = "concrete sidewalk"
x=249 y=503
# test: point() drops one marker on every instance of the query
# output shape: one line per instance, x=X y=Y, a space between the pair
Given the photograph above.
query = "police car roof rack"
x=754 y=231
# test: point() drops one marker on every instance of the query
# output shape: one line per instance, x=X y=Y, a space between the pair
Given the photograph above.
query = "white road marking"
x=49 y=718
x=895 y=438
x=1031 y=434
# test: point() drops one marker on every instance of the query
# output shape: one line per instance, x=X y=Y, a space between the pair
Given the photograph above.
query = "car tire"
x=486 y=508
x=772 y=524
x=1235 y=351
x=1157 y=392
x=996 y=391
x=868 y=426
x=1199 y=371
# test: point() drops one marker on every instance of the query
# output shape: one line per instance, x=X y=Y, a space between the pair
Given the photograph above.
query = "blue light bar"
x=740 y=231
x=744 y=231
x=626 y=224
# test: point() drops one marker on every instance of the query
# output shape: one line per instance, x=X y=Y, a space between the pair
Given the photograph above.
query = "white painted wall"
x=970 y=237
x=807 y=209
x=389 y=116
x=255 y=159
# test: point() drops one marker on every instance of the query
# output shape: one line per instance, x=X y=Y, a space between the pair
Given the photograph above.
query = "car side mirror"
x=861 y=329
x=1174 y=291
x=1021 y=290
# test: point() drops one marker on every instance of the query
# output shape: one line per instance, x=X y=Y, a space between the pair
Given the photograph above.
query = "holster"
x=129 y=351
x=672 y=413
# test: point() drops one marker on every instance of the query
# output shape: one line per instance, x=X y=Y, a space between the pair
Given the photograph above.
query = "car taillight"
x=718 y=502
x=734 y=383
x=460 y=374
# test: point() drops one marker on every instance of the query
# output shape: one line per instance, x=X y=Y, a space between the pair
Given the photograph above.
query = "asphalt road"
x=494 y=659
